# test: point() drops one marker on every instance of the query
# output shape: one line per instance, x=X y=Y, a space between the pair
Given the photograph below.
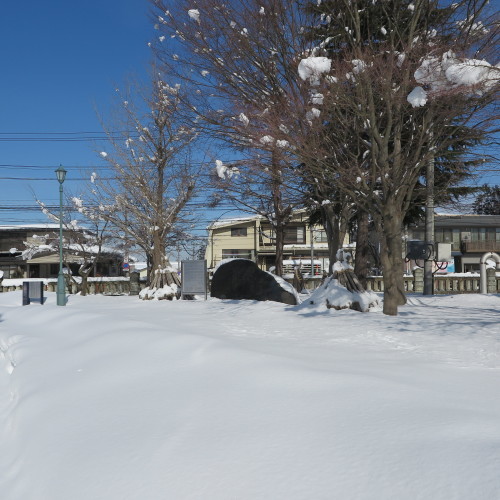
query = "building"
x=254 y=238
x=471 y=236
x=28 y=251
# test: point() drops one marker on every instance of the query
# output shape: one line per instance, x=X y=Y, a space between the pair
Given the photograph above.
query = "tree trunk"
x=149 y=267
x=362 y=248
x=279 y=215
x=84 y=272
x=157 y=255
x=335 y=232
x=85 y=284
x=392 y=261
x=280 y=242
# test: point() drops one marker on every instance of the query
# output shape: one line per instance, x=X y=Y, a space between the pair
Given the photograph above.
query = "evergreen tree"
x=395 y=99
x=488 y=202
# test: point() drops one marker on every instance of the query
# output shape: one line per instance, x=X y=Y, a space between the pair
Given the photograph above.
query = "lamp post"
x=61 y=295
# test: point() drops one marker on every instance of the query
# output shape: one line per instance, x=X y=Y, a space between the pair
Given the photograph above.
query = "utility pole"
x=429 y=229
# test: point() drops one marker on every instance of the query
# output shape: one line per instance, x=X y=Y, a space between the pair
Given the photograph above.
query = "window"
x=448 y=235
x=456 y=239
x=320 y=236
x=292 y=235
x=11 y=271
x=443 y=235
x=236 y=254
x=478 y=234
x=238 y=231
x=295 y=235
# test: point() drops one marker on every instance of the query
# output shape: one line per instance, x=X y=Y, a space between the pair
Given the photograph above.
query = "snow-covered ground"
x=114 y=398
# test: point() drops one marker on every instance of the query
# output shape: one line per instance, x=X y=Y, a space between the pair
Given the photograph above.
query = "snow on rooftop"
x=12 y=227
x=233 y=220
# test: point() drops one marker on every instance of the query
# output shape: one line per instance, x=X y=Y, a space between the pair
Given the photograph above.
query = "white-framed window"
x=238 y=231
x=237 y=253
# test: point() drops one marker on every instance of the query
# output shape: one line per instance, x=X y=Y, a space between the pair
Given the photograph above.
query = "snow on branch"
x=312 y=68
x=445 y=73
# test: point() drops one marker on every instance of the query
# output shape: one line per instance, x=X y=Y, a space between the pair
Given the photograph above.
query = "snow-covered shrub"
x=332 y=295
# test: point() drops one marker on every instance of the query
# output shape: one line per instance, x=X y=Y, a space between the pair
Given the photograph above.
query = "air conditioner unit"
x=418 y=250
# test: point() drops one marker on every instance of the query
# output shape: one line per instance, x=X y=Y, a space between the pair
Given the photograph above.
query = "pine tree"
x=488 y=202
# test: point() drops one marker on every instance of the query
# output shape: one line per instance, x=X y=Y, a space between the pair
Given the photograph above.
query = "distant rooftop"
x=472 y=220
x=29 y=226
x=249 y=218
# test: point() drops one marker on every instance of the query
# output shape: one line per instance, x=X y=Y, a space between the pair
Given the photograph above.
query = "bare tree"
x=235 y=63
x=85 y=235
x=154 y=176
x=400 y=80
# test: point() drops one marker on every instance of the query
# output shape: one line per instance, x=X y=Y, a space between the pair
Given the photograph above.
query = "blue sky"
x=61 y=61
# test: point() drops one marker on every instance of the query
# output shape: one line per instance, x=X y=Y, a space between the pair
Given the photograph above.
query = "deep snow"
x=116 y=398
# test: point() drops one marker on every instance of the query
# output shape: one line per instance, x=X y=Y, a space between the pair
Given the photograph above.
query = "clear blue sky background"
x=60 y=63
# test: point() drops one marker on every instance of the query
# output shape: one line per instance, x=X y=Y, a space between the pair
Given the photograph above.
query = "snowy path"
x=114 y=398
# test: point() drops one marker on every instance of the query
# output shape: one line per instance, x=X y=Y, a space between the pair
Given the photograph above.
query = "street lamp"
x=61 y=295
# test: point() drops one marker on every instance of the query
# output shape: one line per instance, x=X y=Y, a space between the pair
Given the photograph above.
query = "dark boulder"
x=242 y=279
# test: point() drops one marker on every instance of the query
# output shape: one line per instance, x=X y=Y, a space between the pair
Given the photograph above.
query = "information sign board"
x=194 y=277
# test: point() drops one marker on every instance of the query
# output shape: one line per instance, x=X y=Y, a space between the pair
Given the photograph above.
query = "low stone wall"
x=106 y=286
x=309 y=283
x=443 y=283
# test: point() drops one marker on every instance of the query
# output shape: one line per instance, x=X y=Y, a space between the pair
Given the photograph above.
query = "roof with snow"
x=20 y=227
x=250 y=218
x=232 y=221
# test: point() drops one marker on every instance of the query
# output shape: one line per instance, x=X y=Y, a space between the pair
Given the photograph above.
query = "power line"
x=107 y=166
x=63 y=133
x=80 y=136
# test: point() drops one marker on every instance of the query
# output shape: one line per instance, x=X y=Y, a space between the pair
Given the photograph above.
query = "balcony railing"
x=480 y=246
